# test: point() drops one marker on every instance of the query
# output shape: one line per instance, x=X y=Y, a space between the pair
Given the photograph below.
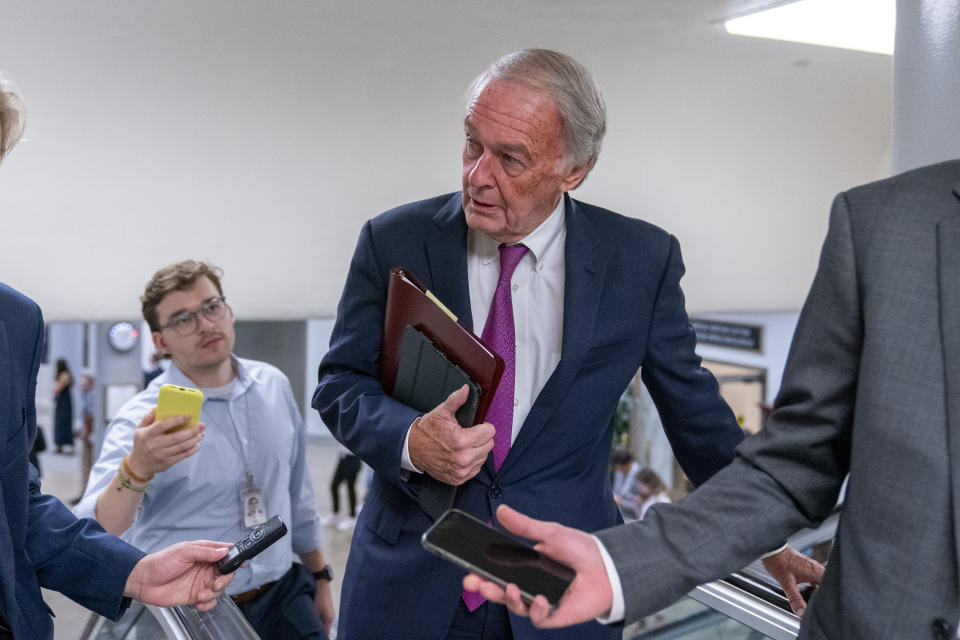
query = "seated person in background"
x=647 y=490
x=625 y=469
x=157 y=488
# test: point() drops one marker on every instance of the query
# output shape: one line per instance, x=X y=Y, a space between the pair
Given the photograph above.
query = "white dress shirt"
x=537 y=293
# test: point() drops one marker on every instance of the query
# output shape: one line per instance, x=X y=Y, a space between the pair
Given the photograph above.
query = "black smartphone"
x=259 y=539
x=497 y=556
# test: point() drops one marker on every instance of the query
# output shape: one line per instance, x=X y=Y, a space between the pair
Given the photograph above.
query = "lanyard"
x=239 y=445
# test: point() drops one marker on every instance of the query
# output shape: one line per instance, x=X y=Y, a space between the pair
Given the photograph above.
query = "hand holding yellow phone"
x=175 y=400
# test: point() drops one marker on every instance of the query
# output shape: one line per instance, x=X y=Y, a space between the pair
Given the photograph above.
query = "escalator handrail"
x=748 y=609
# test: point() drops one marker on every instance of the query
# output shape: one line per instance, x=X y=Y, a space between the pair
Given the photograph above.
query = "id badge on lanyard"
x=253 y=504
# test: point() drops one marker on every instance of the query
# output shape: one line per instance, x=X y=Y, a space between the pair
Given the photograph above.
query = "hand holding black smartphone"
x=259 y=539
x=497 y=556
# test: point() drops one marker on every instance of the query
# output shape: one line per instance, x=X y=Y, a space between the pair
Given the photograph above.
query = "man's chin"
x=209 y=363
x=480 y=220
x=214 y=356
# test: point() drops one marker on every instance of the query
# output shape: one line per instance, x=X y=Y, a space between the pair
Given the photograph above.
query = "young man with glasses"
x=244 y=462
x=41 y=543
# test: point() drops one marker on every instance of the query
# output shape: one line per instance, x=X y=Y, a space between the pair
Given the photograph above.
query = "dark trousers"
x=348 y=466
x=487 y=622
x=285 y=611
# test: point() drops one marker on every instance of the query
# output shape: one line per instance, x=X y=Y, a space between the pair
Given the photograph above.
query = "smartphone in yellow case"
x=175 y=400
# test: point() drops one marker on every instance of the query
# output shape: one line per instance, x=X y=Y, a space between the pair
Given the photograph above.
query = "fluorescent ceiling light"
x=862 y=25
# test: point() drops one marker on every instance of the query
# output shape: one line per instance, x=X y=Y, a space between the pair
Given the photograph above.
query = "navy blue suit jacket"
x=41 y=542
x=623 y=309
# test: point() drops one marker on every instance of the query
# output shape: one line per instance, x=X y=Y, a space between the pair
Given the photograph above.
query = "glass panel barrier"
x=747 y=605
x=145 y=622
x=690 y=620
x=223 y=621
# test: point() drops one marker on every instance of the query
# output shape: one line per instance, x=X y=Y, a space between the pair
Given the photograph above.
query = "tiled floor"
x=61 y=478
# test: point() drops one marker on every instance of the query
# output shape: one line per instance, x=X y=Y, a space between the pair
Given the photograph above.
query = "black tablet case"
x=424 y=380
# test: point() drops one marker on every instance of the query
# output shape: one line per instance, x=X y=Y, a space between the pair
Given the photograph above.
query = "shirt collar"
x=539 y=241
x=242 y=381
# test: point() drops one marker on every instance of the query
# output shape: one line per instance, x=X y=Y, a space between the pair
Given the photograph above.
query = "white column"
x=926 y=83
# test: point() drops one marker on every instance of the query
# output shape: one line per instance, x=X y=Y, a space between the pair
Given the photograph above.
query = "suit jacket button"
x=495 y=491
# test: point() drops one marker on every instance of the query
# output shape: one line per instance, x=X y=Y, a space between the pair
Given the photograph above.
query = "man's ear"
x=160 y=344
x=575 y=175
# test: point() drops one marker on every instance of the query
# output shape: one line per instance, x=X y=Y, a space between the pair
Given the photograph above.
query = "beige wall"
x=259 y=135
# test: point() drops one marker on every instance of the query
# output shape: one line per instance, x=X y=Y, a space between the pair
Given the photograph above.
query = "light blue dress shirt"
x=258 y=426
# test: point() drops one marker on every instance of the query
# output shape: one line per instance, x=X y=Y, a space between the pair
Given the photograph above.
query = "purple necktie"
x=499 y=335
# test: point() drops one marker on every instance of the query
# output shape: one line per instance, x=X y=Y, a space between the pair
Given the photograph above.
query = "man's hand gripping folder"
x=426 y=356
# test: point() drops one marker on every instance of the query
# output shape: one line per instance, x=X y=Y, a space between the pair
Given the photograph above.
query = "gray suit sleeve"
x=786 y=477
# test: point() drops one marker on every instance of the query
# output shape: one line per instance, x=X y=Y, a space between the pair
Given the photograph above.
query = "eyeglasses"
x=187 y=323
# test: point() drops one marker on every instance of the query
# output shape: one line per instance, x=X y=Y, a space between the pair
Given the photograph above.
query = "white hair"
x=12 y=119
x=572 y=87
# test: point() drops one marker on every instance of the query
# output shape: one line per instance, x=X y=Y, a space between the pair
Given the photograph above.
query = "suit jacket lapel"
x=584 y=270
x=447 y=255
x=948 y=256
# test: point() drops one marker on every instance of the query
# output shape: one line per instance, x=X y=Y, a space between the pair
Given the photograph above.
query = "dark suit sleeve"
x=77 y=557
x=702 y=429
x=786 y=477
x=349 y=396
x=74 y=557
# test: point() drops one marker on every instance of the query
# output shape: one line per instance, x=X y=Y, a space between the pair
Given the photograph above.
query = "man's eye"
x=212 y=307
x=512 y=165
x=472 y=146
x=182 y=320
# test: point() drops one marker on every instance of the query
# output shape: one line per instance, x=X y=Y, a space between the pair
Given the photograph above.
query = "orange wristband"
x=129 y=472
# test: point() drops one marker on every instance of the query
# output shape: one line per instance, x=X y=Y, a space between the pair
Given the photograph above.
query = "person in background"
x=243 y=463
x=348 y=468
x=647 y=490
x=85 y=434
x=625 y=469
x=155 y=369
x=63 y=408
x=42 y=544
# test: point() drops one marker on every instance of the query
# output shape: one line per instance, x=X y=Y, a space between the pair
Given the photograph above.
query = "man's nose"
x=204 y=323
x=481 y=174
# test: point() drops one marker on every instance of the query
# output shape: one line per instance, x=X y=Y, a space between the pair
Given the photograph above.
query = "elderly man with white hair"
x=575 y=298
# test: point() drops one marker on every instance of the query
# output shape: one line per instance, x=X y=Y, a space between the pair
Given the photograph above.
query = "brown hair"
x=621 y=456
x=175 y=277
x=650 y=478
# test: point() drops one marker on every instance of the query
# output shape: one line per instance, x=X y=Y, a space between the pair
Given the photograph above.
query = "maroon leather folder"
x=408 y=304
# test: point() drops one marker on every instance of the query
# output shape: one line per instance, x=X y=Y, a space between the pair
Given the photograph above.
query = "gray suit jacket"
x=871 y=388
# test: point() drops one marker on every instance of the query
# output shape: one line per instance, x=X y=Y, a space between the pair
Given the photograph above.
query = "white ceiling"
x=259 y=135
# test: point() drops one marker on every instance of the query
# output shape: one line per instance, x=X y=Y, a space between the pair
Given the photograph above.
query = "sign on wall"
x=732 y=335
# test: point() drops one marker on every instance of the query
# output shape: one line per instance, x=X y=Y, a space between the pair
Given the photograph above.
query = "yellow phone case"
x=178 y=401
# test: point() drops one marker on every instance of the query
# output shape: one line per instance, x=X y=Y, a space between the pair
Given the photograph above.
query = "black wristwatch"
x=324 y=574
